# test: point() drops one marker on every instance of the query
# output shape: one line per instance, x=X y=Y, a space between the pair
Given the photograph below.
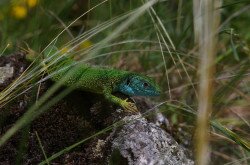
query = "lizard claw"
x=128 y=106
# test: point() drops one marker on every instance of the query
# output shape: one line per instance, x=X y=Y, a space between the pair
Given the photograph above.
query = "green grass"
x=156 y=39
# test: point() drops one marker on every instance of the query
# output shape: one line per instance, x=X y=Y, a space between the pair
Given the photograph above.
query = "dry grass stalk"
x=206 y=22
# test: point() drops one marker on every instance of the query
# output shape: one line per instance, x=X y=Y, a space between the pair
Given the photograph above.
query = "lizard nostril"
x=145 y=84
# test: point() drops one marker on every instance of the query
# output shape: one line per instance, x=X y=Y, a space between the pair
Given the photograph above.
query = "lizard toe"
x=130 y=107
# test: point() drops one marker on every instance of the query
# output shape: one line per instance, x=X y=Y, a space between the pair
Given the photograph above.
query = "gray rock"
x=5 y=73
x=142 y=143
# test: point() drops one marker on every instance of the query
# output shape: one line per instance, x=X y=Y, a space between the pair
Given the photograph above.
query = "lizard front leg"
x=128 y=106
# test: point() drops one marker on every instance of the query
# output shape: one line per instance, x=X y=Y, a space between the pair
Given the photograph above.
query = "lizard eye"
x=145 y=85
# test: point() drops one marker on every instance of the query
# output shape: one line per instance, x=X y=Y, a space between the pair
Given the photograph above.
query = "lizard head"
x=138 y=85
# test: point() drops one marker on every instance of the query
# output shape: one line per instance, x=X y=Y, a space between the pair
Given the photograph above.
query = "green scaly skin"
x=102 y=80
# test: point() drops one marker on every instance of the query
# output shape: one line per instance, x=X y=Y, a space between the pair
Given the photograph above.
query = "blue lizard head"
x=138 y=85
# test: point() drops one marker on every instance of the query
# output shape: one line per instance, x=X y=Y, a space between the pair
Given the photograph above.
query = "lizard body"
x=104 y=81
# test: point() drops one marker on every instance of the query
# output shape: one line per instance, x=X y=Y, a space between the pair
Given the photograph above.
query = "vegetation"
x=163 y=39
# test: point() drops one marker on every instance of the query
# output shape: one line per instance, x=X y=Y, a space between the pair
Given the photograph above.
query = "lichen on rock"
x=5 y=73
x=142 y=143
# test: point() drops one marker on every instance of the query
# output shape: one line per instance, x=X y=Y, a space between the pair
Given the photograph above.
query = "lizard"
x=101 y=80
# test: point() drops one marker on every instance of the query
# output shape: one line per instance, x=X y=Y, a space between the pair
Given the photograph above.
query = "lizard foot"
x=128 y=106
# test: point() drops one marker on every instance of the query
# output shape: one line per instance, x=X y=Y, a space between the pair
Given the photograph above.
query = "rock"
x=145 y=105
x=11 y=67
x=142 y=143
x=5 y=73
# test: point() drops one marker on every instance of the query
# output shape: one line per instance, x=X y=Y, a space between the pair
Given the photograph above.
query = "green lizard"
x=101 y=80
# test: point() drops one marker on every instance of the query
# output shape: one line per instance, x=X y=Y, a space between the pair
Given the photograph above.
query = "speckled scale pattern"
x=87 y=78
x=95 y=79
